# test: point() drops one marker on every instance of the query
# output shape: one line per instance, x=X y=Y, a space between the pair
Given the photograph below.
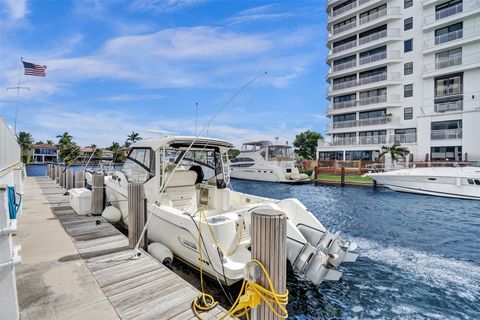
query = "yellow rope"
x=225 y=253
x=251 y=294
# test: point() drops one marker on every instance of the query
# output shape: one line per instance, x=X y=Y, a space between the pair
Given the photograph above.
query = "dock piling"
x=69 y=179
x=80 y=179
x=342 y=176
x=269 y=246
x=62 y=177
x=136 y=214
x=97 y=194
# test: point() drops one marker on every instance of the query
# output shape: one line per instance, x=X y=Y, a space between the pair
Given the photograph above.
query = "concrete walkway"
x=53 y=281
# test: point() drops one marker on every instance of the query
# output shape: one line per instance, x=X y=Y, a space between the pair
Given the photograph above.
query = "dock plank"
x=137 y=289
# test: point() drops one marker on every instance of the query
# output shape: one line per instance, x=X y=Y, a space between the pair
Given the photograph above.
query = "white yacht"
x=264 y=161
x=181 y=176
x=454 y=182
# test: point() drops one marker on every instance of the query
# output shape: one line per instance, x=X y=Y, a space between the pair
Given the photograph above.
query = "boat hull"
x=443 y=186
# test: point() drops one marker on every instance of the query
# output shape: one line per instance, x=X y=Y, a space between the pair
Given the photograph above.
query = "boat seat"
x=181 y=192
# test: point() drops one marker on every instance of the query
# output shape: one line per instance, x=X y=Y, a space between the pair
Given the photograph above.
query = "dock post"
x=136 y=214
x=80 y=179
x=342 y=176
x=62 y=177
x=374 y=184
x=97 y=194
x=57 y=174
x=69 y=179
x=315 y=173
x=269 y=246
x=48 y=169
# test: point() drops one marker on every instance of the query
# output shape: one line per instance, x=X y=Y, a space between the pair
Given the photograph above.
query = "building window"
x=408 y=68
x=344 y=117
x=449 y=85
x=408 y=24
x=372 y=114
x=448 y=58
x=407 y=3
x=408 y=90
x=408 y=45
x=408 y=113
x=448 y=8
x=449 y=33
x=329 y=156
x=446 y=153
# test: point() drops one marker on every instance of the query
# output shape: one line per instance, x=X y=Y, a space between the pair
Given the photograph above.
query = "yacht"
x=187 y=178
x=453 y=182
x=264 y=161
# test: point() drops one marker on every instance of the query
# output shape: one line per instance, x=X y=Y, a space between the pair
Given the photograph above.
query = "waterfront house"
x=43 y=153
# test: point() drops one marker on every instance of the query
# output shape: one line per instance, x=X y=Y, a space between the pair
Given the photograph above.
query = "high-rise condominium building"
x=406 y=72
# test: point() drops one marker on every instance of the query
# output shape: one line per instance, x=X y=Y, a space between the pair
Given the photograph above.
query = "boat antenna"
x=196 y=117
x=169 y=178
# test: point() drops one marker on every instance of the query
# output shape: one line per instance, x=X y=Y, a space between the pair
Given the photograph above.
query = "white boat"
x=183 y=174
x=453 y=182
x=264 y=161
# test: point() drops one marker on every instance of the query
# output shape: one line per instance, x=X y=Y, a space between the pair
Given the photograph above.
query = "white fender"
x=111 y=214
x=161 y=253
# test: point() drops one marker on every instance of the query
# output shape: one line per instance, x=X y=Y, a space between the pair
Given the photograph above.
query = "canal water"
x=419 y=255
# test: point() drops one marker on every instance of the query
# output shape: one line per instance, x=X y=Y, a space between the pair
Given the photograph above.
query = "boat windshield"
x=477 y=164
x=139 y=165
x=206 y=163
x=280 y=153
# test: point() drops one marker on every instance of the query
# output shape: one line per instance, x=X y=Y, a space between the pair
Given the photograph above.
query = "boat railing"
x=381 y=167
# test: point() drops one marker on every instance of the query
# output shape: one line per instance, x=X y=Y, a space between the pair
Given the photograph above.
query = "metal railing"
x=400 y=138
x=344 y=27
x=448 y=106
x=452 y=61
x=362 y=122
x=393 y=76
x=343 y=9
x=345 y=46
x=450 y=11
x=345 y=65
x=344 y=141
x=448 y=90
x=452 y=36
x=447 y=134
x=366 y=101
x=380 y=56
x=380 y=35
x=10 y=153
x=363 y=140
x=379 y=14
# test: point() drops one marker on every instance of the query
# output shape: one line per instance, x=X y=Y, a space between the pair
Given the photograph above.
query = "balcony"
x=380 y=56
x=343 y=66
x=451 y=36
x=446 y=91
x=380 y=35
x=344 y=9
x=362 y=122
x=403 y=138
x=379 y=14
x=372 y=139
x=345 y=46
x=448 y=106
x=452 y=62
x=447 y=12
x=390 y=76
x=392 y=98
x=448 y=134
x=344 y=28
x=344 y=141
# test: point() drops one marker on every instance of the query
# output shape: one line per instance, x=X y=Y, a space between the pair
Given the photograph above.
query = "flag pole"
x=18 y=96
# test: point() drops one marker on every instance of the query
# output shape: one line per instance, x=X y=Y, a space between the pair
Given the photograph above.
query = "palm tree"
x=133 y=137
x=395 y=151
x=25 y=141
x=114 y=147
x=50 y=142
x=64 y=139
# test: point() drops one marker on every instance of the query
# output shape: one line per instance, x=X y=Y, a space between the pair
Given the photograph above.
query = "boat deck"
x=133 y=288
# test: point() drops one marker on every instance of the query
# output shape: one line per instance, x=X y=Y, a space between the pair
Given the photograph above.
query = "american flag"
x=32 y=69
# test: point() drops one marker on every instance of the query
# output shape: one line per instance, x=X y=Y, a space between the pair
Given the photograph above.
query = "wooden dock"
x=136 y=288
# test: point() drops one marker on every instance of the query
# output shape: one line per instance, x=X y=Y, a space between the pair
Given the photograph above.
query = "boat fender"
x=161 y=253
x=111 y=214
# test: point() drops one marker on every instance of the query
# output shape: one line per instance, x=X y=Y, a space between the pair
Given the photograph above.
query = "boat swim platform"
x=80 y=267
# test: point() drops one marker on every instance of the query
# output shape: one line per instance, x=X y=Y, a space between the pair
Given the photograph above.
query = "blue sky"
x=118 y=66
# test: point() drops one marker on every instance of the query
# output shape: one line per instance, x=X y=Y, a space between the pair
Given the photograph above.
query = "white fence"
x=9 y=149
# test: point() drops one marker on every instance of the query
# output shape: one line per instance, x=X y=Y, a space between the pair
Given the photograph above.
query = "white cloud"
x=163 y=6
x=17 y=9
x=260 y=13
x=134 y=97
